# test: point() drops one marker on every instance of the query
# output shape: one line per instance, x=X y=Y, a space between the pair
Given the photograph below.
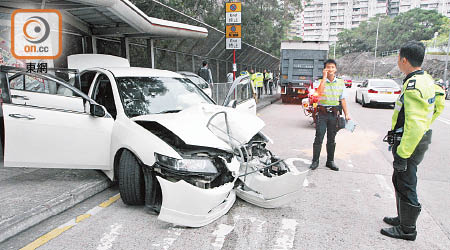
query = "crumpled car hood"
x=191 y=125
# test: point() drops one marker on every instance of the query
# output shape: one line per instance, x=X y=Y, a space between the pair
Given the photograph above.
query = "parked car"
x=377 y=91
x=153 y=131
x=199 y=81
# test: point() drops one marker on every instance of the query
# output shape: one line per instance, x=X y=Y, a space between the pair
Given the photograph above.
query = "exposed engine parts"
x=260 y=159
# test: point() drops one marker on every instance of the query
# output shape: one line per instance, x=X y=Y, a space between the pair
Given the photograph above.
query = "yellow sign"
x=233 y=7
x=233 y=31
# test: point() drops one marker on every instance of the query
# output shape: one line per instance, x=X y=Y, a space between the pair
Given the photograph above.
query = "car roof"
x=141 y=72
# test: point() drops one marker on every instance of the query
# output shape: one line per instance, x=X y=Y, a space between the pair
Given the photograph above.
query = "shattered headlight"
x=187 y=165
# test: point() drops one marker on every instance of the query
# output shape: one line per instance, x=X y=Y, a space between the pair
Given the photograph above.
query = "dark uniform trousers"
x=326 y=122
x=405 y=183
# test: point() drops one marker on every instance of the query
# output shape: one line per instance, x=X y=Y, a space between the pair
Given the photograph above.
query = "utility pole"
x=446 y=63
x=376 y=45
x=334 y=51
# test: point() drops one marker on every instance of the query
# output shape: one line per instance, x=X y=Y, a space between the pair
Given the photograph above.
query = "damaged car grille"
x=217 y=157
x=198 y=179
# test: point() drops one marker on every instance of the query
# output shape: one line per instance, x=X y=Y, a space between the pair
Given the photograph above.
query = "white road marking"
x=221 y=232
x=287 y=234
x=351 y=166
x=444 y=120
x=108 y=238
x=305 y=182
x=384 y=185
x=308 y=162
x=172 y=235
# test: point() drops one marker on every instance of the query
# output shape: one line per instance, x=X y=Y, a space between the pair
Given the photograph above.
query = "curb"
x=265 y=104
x=18 y=223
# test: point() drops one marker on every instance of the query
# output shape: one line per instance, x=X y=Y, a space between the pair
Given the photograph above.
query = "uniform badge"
x=411 y=84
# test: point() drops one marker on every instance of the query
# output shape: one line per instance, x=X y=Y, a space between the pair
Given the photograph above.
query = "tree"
x=416 y=24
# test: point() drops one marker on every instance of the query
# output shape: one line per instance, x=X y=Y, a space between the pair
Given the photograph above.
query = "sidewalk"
x=266 y=100
x=29 y=196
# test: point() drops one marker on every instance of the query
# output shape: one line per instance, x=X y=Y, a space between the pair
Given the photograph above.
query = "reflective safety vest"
x=244 y=73
x=440 y=101
x=414 y=110
x=253 y=78
x=332 y=92
x=259 y=79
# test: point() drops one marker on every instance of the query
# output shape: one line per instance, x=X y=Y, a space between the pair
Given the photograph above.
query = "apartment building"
x=322 y=20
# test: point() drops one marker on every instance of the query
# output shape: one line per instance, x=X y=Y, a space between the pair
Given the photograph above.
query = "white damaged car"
x=167 y=143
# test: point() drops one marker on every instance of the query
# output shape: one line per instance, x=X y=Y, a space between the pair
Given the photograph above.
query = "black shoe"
x=314 y=165
x=393 y=221
x=331 y=165
x=316 y=154
x=397 y=232
x=331 y=147
x=407 y=228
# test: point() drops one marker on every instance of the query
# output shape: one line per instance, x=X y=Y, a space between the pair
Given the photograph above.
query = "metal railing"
x=390 y=53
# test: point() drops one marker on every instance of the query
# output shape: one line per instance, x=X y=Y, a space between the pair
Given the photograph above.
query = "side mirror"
x=232 y=104
x=359 y=85
x=97 y=110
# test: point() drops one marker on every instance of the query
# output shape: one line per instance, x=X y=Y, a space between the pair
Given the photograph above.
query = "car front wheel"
x=131 y=180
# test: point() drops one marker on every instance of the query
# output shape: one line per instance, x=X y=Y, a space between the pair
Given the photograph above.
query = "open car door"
x=264 y=179
x=240 y=96
x=53 y=137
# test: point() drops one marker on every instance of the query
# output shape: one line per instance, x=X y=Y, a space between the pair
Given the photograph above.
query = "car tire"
x=363 y=103
x=356 y=98
x=131 y=180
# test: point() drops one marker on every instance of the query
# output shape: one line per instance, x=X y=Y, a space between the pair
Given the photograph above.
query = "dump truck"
x=301 y=65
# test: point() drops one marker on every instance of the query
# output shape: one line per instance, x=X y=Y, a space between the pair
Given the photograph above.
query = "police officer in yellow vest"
x=331 y=99
x=419 y=104
x=245 y=72
x=259 y=79
x=268 y=82
x=252 y=79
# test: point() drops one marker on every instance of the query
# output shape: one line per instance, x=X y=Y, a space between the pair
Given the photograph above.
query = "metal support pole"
x=334 y=51
x=376 y=45
x=176 y=61
x=94 y=44
x=446 y=64
x=83 y=44
x=151 y=52
x=234 y=65
x=152 y=47
x=218 y=74
x=125 y=48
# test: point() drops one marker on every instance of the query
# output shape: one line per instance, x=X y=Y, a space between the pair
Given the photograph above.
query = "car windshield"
x=383 y=84
x=156 y=95
x=199 y=81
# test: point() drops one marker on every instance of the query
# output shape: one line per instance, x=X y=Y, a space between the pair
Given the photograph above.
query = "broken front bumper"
x=187 y=205
x=272 y=192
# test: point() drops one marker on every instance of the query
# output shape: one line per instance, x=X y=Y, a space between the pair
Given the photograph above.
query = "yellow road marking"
x=110 y=201
x=61 y=229
x=46 y=237
x=82 y=217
